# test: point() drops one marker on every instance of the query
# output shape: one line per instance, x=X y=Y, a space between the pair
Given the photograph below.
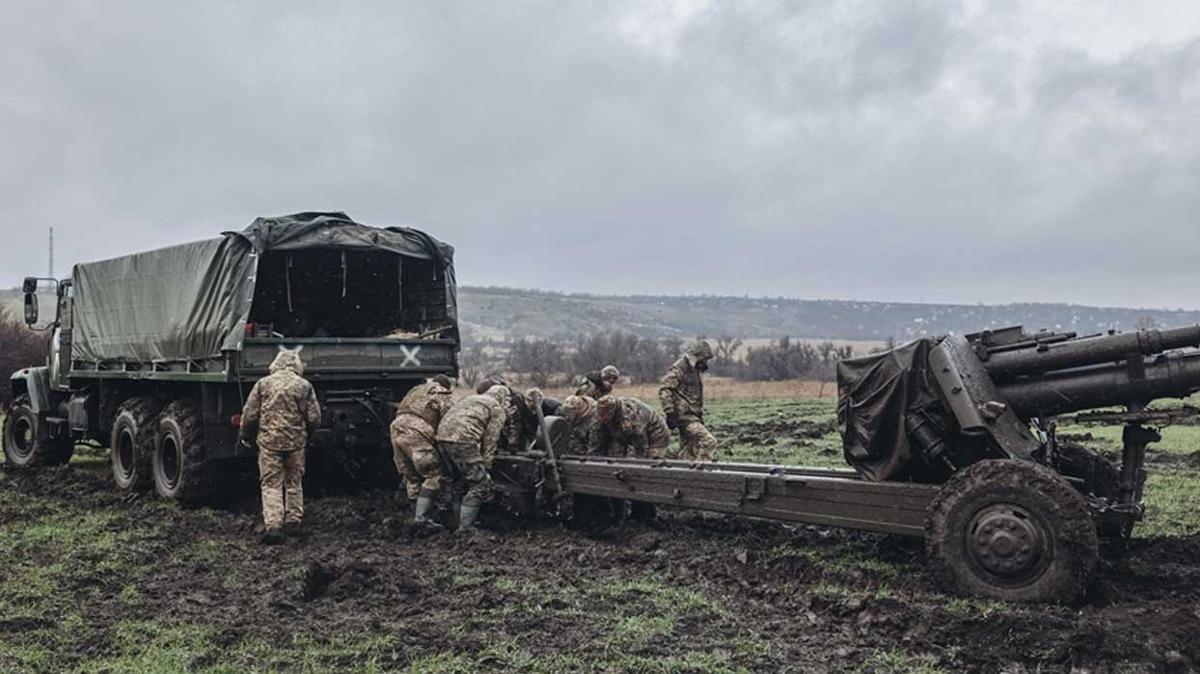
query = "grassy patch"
x=898 y=662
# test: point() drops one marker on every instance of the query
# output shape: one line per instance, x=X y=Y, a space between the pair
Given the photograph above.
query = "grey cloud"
x=753 y=151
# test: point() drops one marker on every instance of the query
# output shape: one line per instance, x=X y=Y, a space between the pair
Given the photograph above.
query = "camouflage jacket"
x=475 y=420
x=639 y=431
x=682 y=391
x=581 y=430
x=281 y=411
x=428 y=401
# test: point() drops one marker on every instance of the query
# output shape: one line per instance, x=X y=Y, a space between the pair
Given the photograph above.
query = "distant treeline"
x=545 y=362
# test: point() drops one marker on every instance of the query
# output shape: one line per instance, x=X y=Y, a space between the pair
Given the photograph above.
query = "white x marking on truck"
x=410 y=357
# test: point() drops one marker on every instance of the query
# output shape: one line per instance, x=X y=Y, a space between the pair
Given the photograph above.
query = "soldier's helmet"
x=608 y=408
x=444 y=381
x=288 y=360
x=533 y=398
x=610 y=373
x=488 y=382
x=700 y=350
x=575 y=408
x=502 y=394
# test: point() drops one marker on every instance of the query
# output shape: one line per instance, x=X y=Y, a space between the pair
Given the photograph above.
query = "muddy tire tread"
x=142 y=413
x=1025 y=482
x=195 y=475
x=52 y=453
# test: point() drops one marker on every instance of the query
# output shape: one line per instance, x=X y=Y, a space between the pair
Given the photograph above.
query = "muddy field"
x=94 y=583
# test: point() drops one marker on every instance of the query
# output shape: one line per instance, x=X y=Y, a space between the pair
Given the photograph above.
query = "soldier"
x=580 y=413
x=467 y=437
x=521 y=428
x=682 y=398
x=628 y=427
x=414 y=444
x=597 y=384
x=279 y=414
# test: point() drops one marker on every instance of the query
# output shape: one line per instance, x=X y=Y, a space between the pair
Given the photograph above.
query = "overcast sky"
x=904 y=151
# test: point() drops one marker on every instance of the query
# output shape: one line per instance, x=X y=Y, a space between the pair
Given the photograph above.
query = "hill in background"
x=501 y=313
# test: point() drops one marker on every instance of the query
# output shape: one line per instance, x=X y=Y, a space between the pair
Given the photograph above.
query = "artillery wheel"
x=134 y=434
x=1011 y=530
x=179 y=466
x=1100 y=476
x=26 y=444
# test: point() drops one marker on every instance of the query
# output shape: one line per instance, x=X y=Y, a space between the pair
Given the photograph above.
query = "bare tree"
x=20 y=347
x=538 y=358
x=1146 y=322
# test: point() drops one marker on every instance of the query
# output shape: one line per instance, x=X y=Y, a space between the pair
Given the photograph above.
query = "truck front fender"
x=34 y=381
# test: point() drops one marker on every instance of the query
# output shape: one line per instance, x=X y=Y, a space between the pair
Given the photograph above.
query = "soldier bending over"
x=467 y=437
x=414 y=443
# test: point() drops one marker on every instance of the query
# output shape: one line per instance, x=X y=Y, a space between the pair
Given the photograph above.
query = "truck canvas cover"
x=191 y=301
x=876 y=395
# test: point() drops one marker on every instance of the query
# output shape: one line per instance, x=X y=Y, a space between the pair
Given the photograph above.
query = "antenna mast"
x=51 y=252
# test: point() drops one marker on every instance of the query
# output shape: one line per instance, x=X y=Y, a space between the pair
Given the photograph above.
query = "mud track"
x=751 y=595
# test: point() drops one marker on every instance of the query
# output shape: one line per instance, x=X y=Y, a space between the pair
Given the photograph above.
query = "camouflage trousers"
x=658 y=437
x=417 y=461
x=471 y=479
x=281 y=476
x=696 y=443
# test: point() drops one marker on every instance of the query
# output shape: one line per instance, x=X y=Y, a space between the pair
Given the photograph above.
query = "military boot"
x=272 y=536
x=456 y=504
x=467 y=514
x=422 y=508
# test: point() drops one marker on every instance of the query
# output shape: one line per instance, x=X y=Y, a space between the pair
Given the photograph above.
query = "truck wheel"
x=25 y=444
x=1011 y=530
x=134 y=433
x=179 y=469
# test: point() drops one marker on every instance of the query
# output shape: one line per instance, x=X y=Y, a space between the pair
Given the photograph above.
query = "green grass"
x=898 y=662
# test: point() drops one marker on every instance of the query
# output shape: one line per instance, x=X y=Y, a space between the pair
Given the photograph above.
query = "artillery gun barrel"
x=1073 y=353
x=1173 y=375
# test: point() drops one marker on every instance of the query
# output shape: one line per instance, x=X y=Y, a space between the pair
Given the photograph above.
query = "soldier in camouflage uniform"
x=682 y=398
x=467 y=438
x=279 y=414
x=599 y=383
x=580 y=413
x=521 y=429
x=414 y=444
x=628 y=427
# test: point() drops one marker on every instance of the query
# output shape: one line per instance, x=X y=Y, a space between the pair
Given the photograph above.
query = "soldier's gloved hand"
x=673 y=421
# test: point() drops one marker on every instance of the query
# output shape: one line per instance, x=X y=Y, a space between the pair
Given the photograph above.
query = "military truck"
x=153 y=354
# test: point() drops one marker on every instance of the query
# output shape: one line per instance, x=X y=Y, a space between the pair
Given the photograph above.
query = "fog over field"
x=901 y=152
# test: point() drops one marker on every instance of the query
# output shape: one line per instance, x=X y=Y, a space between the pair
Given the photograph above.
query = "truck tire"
x=179 y=465
x=1011 y=530
x=134 y=434
x=25 y=442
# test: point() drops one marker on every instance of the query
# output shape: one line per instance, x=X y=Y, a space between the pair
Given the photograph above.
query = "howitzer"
x=953 y=439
